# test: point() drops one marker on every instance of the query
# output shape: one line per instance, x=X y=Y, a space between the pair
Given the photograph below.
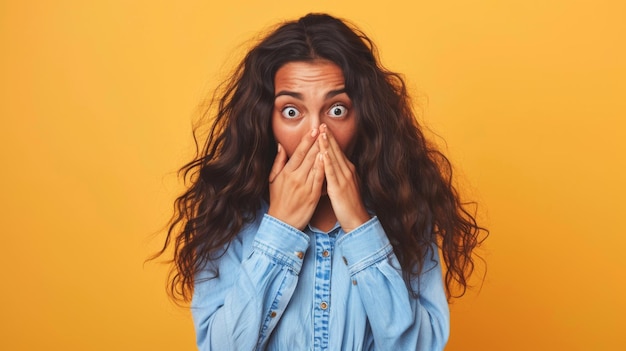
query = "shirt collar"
x=336 y=229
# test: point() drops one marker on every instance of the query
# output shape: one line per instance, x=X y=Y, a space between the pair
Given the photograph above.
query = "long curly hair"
x=404 y=180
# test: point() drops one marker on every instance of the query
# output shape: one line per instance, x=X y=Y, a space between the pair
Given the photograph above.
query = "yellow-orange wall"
x=97 y=99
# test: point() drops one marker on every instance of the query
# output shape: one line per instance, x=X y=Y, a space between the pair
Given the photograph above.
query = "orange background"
x=97 y=100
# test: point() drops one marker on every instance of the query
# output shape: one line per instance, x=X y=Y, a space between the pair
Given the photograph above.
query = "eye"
x=290 y=112
x=338 y=111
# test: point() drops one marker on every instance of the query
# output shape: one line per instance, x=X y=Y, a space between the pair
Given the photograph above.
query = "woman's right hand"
x=296 y=184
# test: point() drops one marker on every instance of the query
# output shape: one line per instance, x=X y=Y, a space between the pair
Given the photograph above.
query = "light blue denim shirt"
x=283 y=289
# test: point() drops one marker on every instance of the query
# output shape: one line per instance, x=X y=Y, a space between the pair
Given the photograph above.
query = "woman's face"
x=307 y=94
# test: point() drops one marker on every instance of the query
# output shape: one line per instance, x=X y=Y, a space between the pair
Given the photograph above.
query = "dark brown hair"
x=404 y=180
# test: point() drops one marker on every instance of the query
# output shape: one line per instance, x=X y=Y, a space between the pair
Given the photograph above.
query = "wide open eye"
x=337 y=111
x=290 y=112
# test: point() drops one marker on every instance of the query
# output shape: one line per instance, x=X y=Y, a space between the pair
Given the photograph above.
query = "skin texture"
x=402 y=177
x=315 y=126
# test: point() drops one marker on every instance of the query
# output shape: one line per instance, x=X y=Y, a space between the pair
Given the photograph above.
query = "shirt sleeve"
x=257 y=275
x=398 y=320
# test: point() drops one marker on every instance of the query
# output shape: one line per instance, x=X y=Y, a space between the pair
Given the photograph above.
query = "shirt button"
x=345 y=260
x=325 y=253
x=323 y=305
x=273 y=314
x=300 y=254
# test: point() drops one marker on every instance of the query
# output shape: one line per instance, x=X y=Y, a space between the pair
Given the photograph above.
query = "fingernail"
x=314 y=132
x=278 y=147
x=324 y=136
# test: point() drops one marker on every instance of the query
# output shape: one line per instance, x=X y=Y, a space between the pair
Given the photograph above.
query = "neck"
x=324 y=217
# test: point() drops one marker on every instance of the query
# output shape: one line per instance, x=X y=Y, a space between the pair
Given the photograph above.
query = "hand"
x=296 y=185
x=341 y=184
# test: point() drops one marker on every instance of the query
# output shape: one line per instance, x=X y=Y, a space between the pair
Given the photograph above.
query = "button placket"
x=323 y=265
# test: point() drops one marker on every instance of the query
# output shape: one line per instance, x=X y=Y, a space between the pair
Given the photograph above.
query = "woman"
x=316 y=209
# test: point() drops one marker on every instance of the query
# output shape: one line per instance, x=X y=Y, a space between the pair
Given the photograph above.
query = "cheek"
x=345 y=135
x=286 y=135
x=344 y=141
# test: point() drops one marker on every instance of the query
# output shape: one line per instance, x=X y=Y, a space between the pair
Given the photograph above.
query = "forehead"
x=302 y=75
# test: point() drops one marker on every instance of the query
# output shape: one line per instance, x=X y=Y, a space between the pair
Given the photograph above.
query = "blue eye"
x=338 y=111
x=290 y=112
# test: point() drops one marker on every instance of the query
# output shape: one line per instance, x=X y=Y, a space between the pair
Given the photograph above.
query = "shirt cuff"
x=364 y=246
x=283 y=243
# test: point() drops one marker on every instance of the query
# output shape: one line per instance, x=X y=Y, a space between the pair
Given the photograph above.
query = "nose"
x=315 y=120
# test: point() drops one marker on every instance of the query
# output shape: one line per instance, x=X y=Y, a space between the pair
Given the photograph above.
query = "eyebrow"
x=289 y=93
x=299 y=96
x=331 y=94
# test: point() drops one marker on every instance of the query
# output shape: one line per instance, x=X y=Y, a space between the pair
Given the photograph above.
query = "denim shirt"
x=279 y=288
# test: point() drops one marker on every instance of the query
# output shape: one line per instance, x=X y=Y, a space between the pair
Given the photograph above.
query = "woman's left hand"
x=342 y=184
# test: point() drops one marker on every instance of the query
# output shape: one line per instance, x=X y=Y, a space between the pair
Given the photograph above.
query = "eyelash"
x=334 y=106
x=284 y=111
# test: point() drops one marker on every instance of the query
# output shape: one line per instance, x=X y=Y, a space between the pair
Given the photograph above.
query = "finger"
x=329 y=170
x=279 y=163
x=318 y=174
x=302 y=150
x=338 y=168
x=341 y=159
x=308 y=163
